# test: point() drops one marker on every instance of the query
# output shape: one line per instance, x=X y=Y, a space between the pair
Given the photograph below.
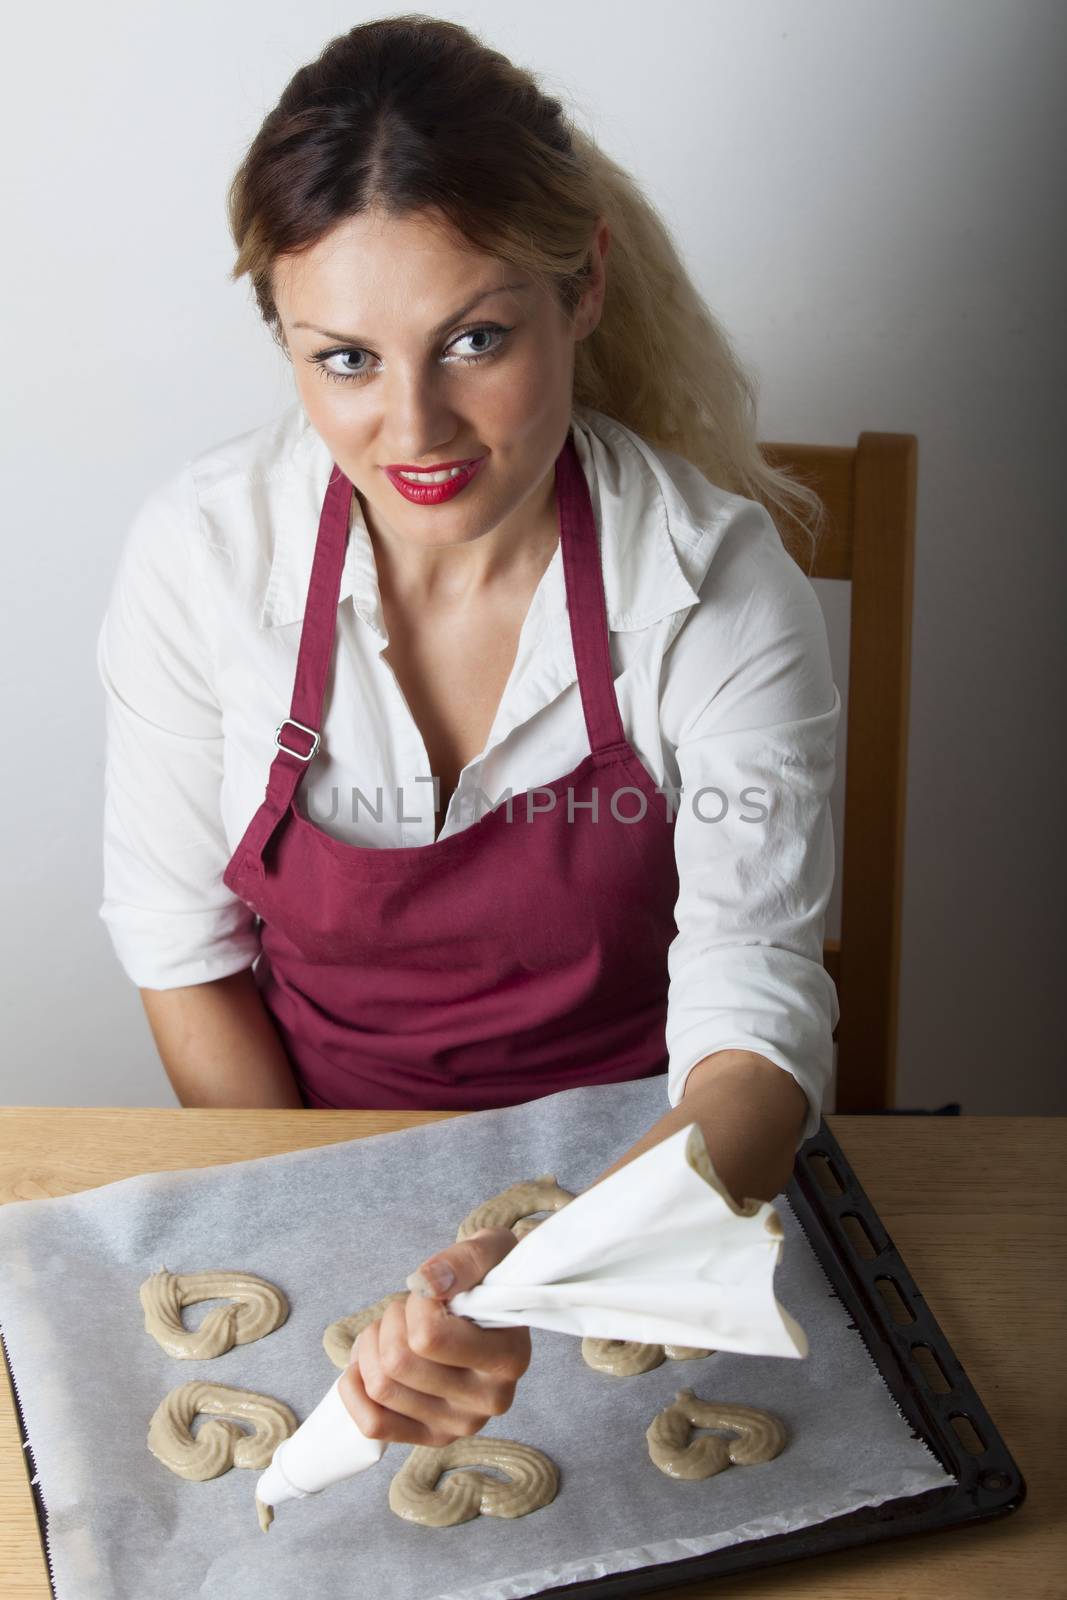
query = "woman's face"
x=411 y=348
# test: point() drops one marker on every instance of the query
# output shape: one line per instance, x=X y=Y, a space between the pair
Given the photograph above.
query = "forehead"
x=376 y=263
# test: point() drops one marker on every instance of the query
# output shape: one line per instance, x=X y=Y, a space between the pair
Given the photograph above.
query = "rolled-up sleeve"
x=170 y=918
x=753 y=834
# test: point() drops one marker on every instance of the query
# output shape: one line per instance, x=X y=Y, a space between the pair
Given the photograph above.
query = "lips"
x=434 y=466
x=434 y=494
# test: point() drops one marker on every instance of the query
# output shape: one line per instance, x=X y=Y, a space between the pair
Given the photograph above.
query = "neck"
x=456 y=576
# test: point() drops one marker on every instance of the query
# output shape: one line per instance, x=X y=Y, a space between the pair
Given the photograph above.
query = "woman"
x=523 y=450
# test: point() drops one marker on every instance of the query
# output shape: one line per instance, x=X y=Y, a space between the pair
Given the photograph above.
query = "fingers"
x=394 y=1393
x=456 y=1341
x=420 y=1374
x=389 y=1364
x=374 y=1390
x=443 y=1397
x=462 y=1265
x=380 y=1422
x=434 y=1333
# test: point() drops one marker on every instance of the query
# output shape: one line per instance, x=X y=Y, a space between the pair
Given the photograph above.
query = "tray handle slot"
x=933 y=1373
x=966 y=1431
x=856 y=1231
x=825 y=1173
x=890 y=1291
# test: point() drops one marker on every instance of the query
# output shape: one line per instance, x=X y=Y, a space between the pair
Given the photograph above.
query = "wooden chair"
x=869 y=492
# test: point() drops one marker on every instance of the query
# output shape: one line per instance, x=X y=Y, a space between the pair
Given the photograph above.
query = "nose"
x=418 y=420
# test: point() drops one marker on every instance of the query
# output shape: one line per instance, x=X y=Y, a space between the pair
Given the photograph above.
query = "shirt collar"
x=655 y=513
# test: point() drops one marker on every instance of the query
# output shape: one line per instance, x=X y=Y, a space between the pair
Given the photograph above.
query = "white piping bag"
x=658 y=1252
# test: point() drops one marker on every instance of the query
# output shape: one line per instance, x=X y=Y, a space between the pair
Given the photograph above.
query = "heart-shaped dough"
x=761 y=1437
x=625 y=1358
x=256 y=1309
x=218 y=1446
x=413 y=1492
x=516 y=1207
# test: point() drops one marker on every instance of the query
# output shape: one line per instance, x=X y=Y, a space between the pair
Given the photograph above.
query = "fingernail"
x=432 y=1278
x=355 y=1347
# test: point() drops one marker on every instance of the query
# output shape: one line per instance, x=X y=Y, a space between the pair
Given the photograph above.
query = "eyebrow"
x=435 y=333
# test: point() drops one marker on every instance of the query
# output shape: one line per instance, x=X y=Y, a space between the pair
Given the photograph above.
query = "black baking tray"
x=895 y=1323
x=906 y=1344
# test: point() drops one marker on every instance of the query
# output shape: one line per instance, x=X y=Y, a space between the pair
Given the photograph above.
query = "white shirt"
x=723 y=681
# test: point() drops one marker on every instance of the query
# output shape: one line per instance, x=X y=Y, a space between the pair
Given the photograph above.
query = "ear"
x=591 y=305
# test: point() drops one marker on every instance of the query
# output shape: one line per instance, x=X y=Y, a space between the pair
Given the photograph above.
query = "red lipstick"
x=433 y=494
x=433 y=466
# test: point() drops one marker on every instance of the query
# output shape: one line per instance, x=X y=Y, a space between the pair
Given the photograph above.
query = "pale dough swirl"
x=256 y=1309
x=218 y=1446
x=761 y=1437
x=341 y=1335
x=413 y=1493
x=516 y=1206
x=625 y=1358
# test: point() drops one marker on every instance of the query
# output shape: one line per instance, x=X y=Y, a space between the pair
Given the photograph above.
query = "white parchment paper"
x=336 y=1228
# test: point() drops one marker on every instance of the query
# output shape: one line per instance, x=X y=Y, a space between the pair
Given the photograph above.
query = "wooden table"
x=975 y=1205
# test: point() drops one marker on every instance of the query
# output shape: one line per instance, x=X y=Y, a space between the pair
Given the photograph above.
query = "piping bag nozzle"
x=327 y=1447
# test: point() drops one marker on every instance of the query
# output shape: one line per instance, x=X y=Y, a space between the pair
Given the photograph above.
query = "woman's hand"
x=421 y=1375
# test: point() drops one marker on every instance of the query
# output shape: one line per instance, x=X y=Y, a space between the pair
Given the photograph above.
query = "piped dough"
x=413 y=1492
x=675 y=1453
x=516 y=1207
x=341 y=1335
x=219 y=1445
x=626 y=1358
x=256 y=1308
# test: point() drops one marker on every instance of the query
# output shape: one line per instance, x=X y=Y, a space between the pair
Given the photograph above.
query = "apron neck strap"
x=297 y=738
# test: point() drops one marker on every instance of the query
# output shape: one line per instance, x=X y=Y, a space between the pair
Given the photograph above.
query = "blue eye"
x=321 y=357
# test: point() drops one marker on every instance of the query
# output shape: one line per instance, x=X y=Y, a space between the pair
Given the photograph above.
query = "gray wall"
x=866 y=194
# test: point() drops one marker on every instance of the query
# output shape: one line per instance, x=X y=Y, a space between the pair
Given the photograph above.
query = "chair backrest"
x=869 y=539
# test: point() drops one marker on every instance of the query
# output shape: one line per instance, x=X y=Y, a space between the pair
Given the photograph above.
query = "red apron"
x=498 y=964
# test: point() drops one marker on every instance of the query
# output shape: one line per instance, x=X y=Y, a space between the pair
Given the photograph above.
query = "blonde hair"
x=414 y=113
